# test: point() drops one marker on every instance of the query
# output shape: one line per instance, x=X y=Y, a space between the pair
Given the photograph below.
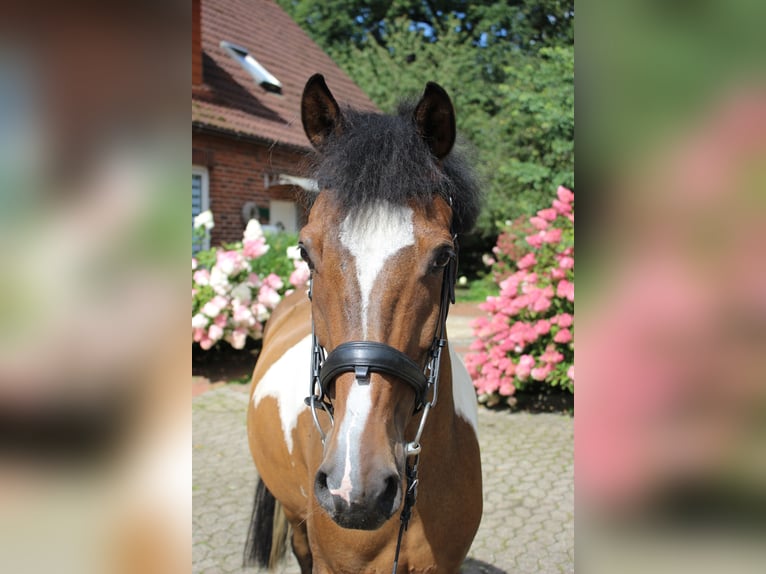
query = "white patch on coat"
x=358 y=407
x=287 y=381
x=372 y=236
x=463 y=392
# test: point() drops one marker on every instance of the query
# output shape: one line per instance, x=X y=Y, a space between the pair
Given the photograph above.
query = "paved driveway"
x=527 y=461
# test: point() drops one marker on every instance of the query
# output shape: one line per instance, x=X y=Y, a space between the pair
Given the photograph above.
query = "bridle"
x=365 y=357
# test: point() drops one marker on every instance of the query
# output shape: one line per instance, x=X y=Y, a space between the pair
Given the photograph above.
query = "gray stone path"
x=527 y=461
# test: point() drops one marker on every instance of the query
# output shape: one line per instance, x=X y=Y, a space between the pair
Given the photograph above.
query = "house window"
x=283 y=216
x=253 y=67
x=200 y=202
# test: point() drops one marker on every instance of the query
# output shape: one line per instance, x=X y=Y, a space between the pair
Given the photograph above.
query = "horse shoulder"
x=289 y=324
x=293 y=311
x=280 y=384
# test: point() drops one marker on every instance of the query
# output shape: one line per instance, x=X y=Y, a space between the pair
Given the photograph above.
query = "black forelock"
x=382 y=157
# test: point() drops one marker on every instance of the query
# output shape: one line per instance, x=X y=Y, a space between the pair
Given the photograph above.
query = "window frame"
x=204 y=200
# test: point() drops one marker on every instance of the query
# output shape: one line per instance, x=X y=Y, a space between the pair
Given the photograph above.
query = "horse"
x=363 y=432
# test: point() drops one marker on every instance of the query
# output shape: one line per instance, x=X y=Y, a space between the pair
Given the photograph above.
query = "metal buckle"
x=316 y=398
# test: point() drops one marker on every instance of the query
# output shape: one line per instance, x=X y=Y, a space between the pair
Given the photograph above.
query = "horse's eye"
x=305 y=255
x=443 y=257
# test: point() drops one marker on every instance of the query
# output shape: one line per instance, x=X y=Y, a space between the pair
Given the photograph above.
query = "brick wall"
x=236 y=171
x=196 y=43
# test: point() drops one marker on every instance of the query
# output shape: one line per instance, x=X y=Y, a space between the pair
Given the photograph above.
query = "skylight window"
x=261 y=75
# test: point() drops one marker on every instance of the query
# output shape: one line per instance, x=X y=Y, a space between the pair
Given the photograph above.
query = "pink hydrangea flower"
x=551 y=355
x=539 y=223
x=215 y=333
x=548 y=214
x=539 y=294
x=268 y=297
x=543 y=327
x=240 y=307
x=238 y=338
x=551 y=235
x=206 y=342
x=565 y=289
x=541 y=373
x=253 y=230
x=243 y=315
x=219 y=280
x=563 y=336
x=561 y=207
x=557 y=273
x=565 y=195
x=211 y=309
x=260 y=312
x=536 y=239
x=541 y=304
x=230 y=262
x=201 y=277
x=254 y=248
x=527 y=261
x=506 y=388
x=301 y=275
x=274 y=281
x=524 y=367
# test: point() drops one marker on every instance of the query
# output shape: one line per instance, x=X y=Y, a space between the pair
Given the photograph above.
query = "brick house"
x=250 y=61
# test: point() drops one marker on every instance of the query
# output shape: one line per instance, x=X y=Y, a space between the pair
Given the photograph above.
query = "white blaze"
x=372 y=236
x=358 y=408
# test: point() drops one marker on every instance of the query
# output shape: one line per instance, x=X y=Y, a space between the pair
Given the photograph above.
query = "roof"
x=231 y=101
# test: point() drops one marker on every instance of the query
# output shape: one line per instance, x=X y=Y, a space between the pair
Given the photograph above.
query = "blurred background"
x=95 y=465
x=670 y=440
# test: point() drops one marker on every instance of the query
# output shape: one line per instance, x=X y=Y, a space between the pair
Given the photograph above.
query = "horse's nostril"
x=321 y=481
x=389 y=494
x=322 y=492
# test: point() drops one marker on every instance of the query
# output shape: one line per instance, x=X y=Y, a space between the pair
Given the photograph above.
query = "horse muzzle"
x=365 y=506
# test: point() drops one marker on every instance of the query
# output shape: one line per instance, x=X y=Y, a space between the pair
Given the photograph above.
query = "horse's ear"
x=319 y=111
x=434 y=117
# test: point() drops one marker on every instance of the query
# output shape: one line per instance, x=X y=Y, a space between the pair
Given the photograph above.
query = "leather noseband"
x=364 y=357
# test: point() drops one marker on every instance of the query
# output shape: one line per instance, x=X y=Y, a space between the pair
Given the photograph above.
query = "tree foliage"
x=508 y=66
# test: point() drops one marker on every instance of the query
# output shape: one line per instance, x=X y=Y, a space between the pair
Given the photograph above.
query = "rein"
x=365 y=357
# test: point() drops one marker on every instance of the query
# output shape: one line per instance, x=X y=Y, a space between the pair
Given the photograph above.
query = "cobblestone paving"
x=527 y=462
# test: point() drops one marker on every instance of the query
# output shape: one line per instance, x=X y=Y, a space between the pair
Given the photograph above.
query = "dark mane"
x=382 y=157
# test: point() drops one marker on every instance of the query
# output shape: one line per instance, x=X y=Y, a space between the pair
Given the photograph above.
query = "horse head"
x=380 y=242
